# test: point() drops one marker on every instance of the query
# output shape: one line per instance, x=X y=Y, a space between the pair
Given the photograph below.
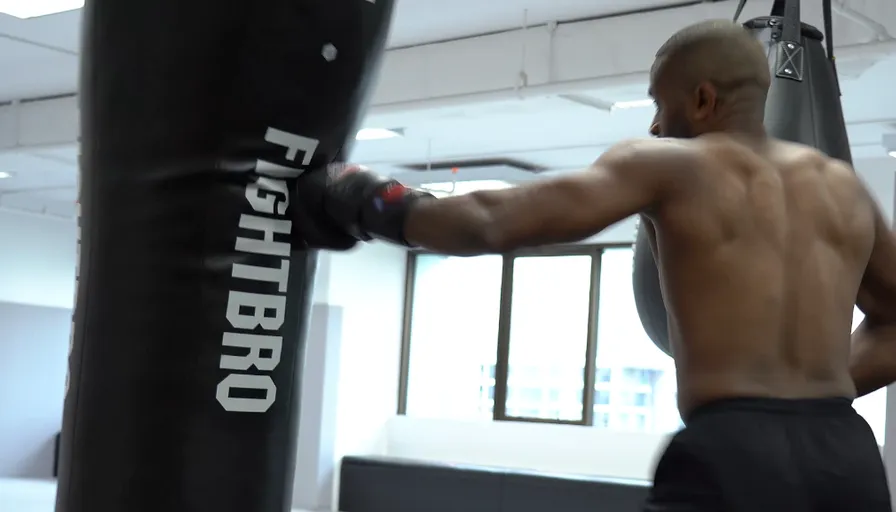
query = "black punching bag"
x=648 y=294
x=803 y=102
x=803 y=106
x=195 y=282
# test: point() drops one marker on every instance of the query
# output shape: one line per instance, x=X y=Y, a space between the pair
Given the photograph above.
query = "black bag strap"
x=791 y=25
x=791 y=29
x=739 y=10
x=829 y=40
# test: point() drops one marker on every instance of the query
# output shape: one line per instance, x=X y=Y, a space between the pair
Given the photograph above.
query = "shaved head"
x=712 y=68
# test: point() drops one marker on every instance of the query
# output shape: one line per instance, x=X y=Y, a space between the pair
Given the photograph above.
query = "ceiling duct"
x=473 y=165
x=479 y=170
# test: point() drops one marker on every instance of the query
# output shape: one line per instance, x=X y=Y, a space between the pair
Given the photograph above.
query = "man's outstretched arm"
x=629 y=178
x=873 y=355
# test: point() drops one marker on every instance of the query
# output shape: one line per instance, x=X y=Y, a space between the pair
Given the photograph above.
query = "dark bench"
x=383 y=484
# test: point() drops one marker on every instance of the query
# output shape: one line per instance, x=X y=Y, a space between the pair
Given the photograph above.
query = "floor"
x=32 y=496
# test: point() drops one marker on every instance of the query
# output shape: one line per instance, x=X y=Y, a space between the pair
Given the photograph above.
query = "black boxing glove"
x=368 y=205
x=313 y=227
x=320 y=232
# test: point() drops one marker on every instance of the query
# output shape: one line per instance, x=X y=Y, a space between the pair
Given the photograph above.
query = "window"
x=635 y=377
x=633 y=399
x=872 y=407
x=562 y=356
x=636 y=380
x=525 y=395
x=453 y=336
x=549 y=313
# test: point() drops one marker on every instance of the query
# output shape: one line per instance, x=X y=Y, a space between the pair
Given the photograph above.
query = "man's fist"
x=364 y=204
x=315 y=228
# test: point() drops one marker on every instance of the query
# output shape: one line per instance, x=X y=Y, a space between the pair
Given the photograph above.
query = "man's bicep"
x=576 y=206
x=616 y=187
x=643 y=173
x=877 y=294
x=629 y=178
x=562 y=209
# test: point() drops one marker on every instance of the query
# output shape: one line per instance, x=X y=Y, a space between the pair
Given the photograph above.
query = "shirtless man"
x=764 y=247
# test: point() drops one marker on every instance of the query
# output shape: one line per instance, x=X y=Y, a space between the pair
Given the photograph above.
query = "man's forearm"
x=873 y=356
x=367 y=205
x=459 y=225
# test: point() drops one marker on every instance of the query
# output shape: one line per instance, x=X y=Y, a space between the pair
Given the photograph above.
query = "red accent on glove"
x=393 y=192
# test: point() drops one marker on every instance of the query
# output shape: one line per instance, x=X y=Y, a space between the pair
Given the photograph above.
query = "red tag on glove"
x=393 y=192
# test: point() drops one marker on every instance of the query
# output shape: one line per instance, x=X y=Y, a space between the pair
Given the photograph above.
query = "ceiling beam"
x=611 y=54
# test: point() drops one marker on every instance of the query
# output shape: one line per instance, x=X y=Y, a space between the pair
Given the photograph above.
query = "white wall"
x=33 y=350
x=880 y=178
x=37 y=259
x=367 y=286
x=561 y=449
x=572 y=449
x=37 y=268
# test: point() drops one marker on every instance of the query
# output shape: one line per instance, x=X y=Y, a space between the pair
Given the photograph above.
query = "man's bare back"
x=760 y=267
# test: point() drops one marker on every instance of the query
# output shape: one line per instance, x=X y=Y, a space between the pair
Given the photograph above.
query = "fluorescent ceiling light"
x=373 y=133
x=457 y=188
x=892 y=153
x=623 y=105
x=34 y=8
x=4 y=175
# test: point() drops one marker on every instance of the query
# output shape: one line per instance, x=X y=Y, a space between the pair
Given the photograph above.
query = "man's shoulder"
x=807 y=161
x=656 y=154
x=777 y=150
x=653 y=145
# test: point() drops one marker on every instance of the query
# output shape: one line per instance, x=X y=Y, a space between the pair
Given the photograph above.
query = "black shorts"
x=772 y=455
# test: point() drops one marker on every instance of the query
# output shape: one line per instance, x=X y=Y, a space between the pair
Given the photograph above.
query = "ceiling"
x=426 y=21
x=555 y=130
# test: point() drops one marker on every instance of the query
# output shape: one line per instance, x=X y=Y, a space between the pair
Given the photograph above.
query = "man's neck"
x=749 y=130
x=744 y=122
x=753 y=136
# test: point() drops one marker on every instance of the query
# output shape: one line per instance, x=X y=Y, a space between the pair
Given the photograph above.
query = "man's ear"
x=705 y=100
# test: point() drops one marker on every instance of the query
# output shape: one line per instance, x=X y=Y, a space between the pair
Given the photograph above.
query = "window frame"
x=499 y=410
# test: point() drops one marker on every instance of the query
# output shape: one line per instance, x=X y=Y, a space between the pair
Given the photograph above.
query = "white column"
x=889 y=452
x=316 y=462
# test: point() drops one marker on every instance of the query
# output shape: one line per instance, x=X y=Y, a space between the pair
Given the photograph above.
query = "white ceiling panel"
x=554 y=132
x=38 y=56
x=66 y=154
x=59 y=31
x=33 y=51
x=49 y=74
x=424 y=21
x=33 y=172
x=38 y=184
x=40 y=205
